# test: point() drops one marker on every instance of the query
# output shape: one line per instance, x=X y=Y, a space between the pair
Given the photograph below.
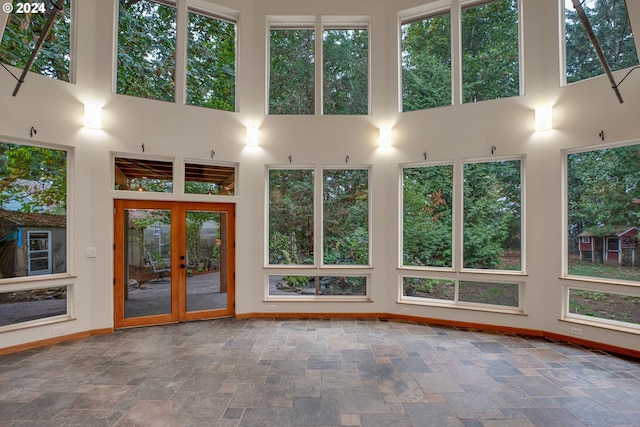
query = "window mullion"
x=180 y=77
x=319 y=66
x=456 y=53
x=318 y=232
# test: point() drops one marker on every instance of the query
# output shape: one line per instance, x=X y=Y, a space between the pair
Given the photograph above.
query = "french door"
x=173 y=261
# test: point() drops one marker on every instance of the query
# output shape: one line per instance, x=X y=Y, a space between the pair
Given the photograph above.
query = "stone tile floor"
x=276 y=372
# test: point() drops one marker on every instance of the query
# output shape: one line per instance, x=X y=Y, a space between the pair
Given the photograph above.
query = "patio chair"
x=159 y=271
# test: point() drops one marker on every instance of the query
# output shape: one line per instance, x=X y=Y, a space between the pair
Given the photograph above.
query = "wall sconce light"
x=252 y=136
x=385 y=137
x=544 y=116
x=93 y=116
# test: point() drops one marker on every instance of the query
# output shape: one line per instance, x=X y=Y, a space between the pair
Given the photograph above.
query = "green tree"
x=601 y=186
x=291 y=77
x=291 y=219
x=426 y=63
x=346 y=216
x=346 y=71
x=610 y=23
x=492 y=212
x=427 y=194
x=211 y=60
x=146 y=49
x=33 y=178
x=490 y=59
x=21 y=34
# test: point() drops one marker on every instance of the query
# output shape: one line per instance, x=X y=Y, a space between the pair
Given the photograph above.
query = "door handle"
x=182 y=266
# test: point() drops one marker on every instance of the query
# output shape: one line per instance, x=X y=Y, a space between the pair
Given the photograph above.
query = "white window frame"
x=454 y=7
x=183 y=7
x=318 y=24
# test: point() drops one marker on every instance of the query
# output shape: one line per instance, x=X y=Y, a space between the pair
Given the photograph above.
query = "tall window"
x=291 y=216
x=296 y=231
x=427 y=206
x=292 y=220
x=345 y=55
x=291 y=77
x=22 y=32
x=345 y=216
x=211 y=58
x=492 y=215
x=146 y=49
x=610 y=23
x=426 y=62
x=603 y=188
x=490 y=59
x=33 y=208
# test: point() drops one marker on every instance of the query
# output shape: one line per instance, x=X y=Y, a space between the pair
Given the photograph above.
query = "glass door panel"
x=147 y=262
x=206 y=281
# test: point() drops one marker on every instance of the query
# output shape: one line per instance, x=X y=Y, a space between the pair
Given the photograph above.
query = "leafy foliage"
x=291 y=77
x=426 y=63
x=33 y=179
x=146 y=49
x=427 y=194
x=601 y=185
x=346 y=216
x=291 y=218
x=346 y=71
x=610 y=23
x=21 y=34
x=490 y=61
x=492 y=212
x=211 y=58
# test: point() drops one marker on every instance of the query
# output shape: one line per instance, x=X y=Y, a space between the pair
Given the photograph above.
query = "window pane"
x=489 y=293
x=146 y=49
x=346 y=216
x=291 y=200
x=603 y=188
x=317 y=285
x=623 y=308
x=291 y=78
x=492 y=215
x=24 y=306
x=209 y=179
x=346 y=71
x=419 y=287
x=490 y=58
x=33 y=210
x=22 y=32
x=426 y=63
x=610 y=23
x=143 y=175
x=427 y=197
x=211 y=62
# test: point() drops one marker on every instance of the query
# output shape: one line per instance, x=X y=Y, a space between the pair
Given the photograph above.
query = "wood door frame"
x=178 y=249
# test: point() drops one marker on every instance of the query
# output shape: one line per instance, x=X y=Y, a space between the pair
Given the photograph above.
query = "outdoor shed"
x=609 y=245
x=32 y=243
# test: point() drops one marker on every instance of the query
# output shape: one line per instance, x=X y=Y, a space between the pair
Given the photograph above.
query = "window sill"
x=315 y=299
x=36 y=323
x=601 y=323
x=36 y=279
x=465 y=306
x=600 y=281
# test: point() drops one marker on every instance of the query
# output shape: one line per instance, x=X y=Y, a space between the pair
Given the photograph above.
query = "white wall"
x=448 y=133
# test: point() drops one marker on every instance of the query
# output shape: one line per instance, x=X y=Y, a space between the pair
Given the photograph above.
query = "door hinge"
x=114 y=246
x=114 y=281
